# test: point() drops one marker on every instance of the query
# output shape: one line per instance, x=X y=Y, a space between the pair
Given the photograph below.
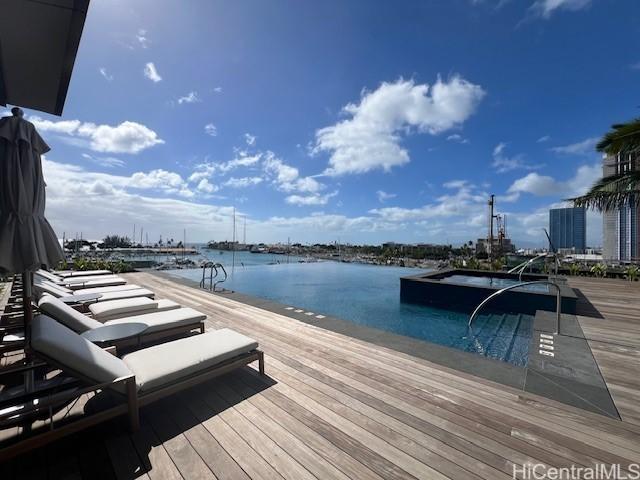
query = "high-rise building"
x=568 y=229
x=620 y=226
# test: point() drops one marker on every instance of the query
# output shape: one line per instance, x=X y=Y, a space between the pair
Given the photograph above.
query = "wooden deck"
x=335 y=407
x=615 y=338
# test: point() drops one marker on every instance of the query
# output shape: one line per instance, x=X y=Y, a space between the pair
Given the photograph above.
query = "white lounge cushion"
x=44 y=286
x=87 y=282
x=88 y=278
x=47 y=275
x=74 y=273
x=103 y=310
x=43 y=274
x=163 y=364
x=68 y=316
x=71 y=350
x=115 y=288
x=158 y=321
x=108 y=293
x=129 y=308
x=136 y=292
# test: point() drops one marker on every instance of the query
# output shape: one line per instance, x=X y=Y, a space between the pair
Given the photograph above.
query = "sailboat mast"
x=233 y=243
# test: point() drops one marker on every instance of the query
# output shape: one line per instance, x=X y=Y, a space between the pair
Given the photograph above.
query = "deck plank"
x=338 y=407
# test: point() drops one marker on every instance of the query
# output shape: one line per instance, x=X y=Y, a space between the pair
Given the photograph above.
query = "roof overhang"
x=39 y=40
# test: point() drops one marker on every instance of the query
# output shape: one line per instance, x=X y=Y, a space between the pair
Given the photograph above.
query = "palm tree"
x=621 y=189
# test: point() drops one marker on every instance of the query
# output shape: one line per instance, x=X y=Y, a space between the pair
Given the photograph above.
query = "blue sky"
x=360 y=120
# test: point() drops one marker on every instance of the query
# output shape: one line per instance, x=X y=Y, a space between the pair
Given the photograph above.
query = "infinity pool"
x=370 y=296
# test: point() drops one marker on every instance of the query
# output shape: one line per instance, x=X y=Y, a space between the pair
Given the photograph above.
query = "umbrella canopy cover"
x=27 y=241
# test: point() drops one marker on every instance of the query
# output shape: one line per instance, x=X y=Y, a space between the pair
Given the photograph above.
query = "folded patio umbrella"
x=27 y=241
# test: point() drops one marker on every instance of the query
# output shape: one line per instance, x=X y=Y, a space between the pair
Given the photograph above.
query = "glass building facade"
x=621 y=242
x=568 y=228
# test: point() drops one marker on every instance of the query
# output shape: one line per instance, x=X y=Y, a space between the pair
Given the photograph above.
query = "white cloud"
x=205 y=186
x=151 y=72
x=250 y=139
x=536 y=184
x=211 y=130
x=370 y=138
x=465 y=201
x=191 y=97
x=243 y=159
x=457 y=138
x=283 y=173
x=103 y=71
x=64 y=127
x=313 y=199
x=545 y=8
x=142 y=38
x=287 y=178
x=101 y=204
x=544 y=138
x=585 y=147
x=217 y=90
x=160 y=179
x=127 y=137
x=503 y=163
x=242 y=182
x=109 y=162
x=98 y=204
x=209 y=169
x=542 y=185
x=457 y=184
x=384 y=196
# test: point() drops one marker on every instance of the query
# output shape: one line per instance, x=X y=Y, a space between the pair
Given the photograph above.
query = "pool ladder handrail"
x=521 y=267
x=216 y=266
x=522 y=284
x=211 y=266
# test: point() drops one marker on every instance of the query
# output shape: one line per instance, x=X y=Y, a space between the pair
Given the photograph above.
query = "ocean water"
x=370 y=295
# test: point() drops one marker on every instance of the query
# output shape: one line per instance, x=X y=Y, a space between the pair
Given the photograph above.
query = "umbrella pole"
x=27 y=287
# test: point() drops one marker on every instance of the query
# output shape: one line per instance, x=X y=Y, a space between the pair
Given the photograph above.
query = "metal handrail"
x=211 y=266
x=523 y=266
x=223 y=271
x=511 y=287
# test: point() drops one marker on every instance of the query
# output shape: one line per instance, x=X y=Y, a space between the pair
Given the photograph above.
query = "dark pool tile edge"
x=473 y=364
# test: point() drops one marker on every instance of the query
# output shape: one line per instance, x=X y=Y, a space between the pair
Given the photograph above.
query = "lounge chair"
x=138 y=378
x=157 y=325
x=77 y=283
x=125 y=307
x=101 y=294
x=80 y=273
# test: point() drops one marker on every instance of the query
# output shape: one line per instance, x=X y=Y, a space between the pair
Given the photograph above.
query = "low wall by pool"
x=463 y=290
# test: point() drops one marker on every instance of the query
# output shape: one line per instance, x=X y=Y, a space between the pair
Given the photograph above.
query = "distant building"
x=500 y=246
x=621 y=242
x=568 y=229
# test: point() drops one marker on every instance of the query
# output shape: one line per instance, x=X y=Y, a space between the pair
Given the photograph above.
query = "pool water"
x=494 y=282
x=370 y=296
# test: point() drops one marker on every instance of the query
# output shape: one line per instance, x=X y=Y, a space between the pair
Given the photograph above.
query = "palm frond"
x=611 y=192
x=622 y=138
